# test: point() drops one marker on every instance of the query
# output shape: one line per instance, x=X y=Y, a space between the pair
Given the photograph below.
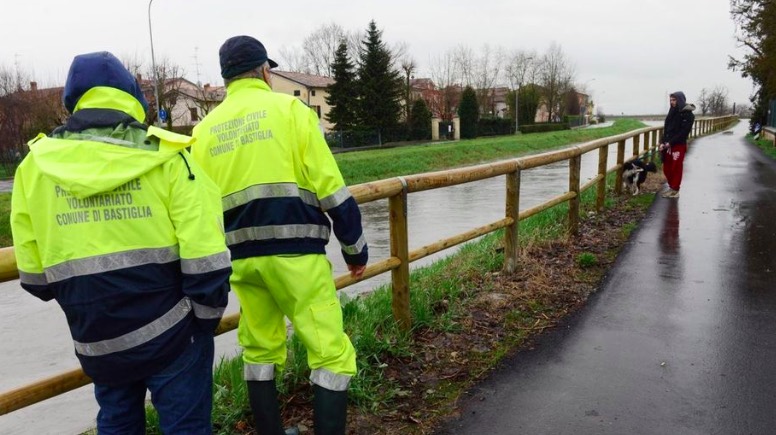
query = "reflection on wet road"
x=681 y=338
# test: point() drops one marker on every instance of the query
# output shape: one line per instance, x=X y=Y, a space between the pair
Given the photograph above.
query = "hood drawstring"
x=186 y=162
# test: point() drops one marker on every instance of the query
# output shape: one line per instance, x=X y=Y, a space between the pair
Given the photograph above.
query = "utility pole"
x=153 y=66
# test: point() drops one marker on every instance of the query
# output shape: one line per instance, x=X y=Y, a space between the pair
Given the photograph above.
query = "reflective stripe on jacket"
x=127 y=237
x=277 y=176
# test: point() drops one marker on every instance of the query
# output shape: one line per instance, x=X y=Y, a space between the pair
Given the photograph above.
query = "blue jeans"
x=182 y=394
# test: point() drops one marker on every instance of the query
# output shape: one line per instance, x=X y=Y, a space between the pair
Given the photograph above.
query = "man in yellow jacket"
x=115 y=221
x=279 y=181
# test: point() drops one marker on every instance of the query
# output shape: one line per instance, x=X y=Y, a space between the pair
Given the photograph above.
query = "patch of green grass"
x=642 y=201
x=587 y=259
x=230 y=395
x=764 y=144
x=628 y=228
x=369 y=165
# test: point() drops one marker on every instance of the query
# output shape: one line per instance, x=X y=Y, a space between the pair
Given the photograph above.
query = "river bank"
x=49 y=325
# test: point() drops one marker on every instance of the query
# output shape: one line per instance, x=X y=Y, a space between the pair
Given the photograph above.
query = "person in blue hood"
x=114 y=221
x=673 y=145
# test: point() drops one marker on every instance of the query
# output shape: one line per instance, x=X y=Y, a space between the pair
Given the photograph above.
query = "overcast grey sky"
x=630 y=53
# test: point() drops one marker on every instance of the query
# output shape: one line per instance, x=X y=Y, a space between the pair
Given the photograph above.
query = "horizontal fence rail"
x=645 y=141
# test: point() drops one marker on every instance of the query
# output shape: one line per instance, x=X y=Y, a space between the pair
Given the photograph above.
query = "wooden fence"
x=396 y=190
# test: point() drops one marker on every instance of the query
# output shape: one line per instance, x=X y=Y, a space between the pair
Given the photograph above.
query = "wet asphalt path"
x=681 y=337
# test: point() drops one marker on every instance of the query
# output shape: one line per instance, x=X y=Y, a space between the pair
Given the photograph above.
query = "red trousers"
x=673 y=165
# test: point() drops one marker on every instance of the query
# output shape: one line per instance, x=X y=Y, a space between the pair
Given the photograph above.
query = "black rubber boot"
x=264 y=404
x=330 y=411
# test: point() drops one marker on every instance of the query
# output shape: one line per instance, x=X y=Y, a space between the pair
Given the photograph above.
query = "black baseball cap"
x=240 y=54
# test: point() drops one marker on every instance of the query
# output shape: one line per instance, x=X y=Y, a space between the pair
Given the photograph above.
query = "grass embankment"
x=764 y=144
x=364 y=166
x=439 y=298
x=408 y=381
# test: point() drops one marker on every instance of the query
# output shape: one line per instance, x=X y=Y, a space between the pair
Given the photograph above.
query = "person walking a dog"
x=673 y=146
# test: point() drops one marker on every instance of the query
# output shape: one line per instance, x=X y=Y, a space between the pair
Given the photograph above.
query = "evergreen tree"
x=420 y=121
x=469 y=112
x=343 y=95
x=380 y=86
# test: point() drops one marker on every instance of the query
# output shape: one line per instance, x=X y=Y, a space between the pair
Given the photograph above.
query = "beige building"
x=311 y=89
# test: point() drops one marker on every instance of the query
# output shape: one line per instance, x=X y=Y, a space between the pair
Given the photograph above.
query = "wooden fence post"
x=575 y=166
x=400 y=277
x=603 y=154
x=652 y=140
x=620 y=160
x=511 y=232
x=636 y=145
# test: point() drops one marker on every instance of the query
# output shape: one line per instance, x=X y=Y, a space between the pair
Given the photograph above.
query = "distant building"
x=309 y=88
x=186 y=102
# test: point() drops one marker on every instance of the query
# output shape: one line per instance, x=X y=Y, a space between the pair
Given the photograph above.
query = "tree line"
x=373 y=83
x=755 y=22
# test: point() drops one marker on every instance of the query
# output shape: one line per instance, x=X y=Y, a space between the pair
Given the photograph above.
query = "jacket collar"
x=239 y=85
x=97 y=118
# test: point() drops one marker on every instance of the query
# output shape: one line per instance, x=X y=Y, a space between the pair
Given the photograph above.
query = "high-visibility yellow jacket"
x=125 y=231
x=277 y=176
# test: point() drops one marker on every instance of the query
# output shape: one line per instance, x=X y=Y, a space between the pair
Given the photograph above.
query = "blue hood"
x=98 y=69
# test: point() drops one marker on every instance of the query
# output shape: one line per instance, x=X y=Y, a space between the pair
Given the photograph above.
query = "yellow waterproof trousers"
x=301 y=288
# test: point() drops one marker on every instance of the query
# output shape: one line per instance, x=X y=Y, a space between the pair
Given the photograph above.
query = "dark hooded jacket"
x=678 y=123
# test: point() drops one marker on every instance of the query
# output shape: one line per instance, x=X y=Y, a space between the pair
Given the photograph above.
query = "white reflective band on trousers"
x=330 y=380
x=259 y=372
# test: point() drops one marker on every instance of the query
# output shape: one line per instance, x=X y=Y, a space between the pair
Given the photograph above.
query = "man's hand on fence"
x=356 y=271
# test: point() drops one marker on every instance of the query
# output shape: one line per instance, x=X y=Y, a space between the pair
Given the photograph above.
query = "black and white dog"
x=634 y=173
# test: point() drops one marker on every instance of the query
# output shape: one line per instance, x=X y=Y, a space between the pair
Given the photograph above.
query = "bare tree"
x=486 y=71
x=293 y=59
x=520 y=67
x=354 y=39
x=718 y=101
x=464 y=60
x=556 y=76
x=168 y=82
x=400 y=52
x=320 y=46
x=316 y=54
x=703 y=101
x=25 y=111
x=447 y=78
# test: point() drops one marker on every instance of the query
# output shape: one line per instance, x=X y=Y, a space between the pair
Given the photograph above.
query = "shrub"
x=542 y=128
x=495 y=126
x=420 y=121
x=587 y=259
